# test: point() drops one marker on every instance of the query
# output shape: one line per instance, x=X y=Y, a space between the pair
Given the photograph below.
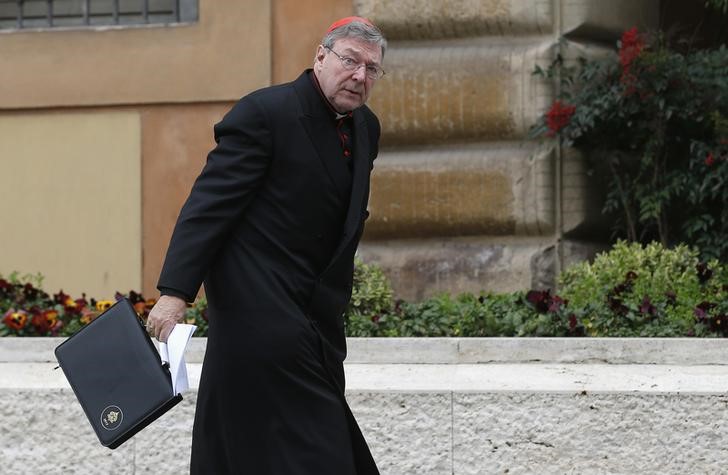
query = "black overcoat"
x=271 y=226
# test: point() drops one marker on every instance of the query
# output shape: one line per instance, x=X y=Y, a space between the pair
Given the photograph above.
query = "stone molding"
x=361 y=351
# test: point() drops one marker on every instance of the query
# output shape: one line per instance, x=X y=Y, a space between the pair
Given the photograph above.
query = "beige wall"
x=224 y=55
x=71 y=199
x=175 y=144
x=297 y=29
x=72 y=170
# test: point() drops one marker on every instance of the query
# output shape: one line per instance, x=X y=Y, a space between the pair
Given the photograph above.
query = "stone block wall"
x=461 y=199
x=431 y=406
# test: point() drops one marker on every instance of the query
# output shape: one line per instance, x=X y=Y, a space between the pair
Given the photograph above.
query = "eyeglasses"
x=373 y=71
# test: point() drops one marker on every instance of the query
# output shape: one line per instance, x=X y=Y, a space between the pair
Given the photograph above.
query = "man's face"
x=346 y=89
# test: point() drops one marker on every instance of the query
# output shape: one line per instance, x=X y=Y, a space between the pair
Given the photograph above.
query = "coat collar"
x=317 y=119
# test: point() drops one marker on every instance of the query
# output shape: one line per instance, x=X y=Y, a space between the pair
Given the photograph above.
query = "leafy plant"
x=437 y=317
x=369 y=309
x=654 y=123
x=196 y=314
x=718 y=5
x=636 y=290
x=632 y=290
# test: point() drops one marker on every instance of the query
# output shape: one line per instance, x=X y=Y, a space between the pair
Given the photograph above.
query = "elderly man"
x=271 y=226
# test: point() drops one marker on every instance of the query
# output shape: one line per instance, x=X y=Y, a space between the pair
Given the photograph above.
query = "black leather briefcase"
x=117 y=374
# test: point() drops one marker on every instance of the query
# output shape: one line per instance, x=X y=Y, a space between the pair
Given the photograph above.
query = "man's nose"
x=360 y=73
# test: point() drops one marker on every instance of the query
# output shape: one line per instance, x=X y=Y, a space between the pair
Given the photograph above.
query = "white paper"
x=173 y=352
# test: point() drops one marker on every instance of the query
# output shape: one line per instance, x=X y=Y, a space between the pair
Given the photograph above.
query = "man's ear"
x=320 y=53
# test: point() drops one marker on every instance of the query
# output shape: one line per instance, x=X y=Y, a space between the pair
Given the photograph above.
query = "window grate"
x=24 y=14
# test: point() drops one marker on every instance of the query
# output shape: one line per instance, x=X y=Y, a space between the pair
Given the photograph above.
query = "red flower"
x=6 y=288
x=30 y=292
x=45 y=321
x=87 y=316
x=631 y=47
x=558 y=117
x=647 y=308
x=15 y=320
x=709 y=160
x=82 y=302
x=540 y=299
x=135 y=297
x=61 y=298
x=702 y=310
x=556 y=303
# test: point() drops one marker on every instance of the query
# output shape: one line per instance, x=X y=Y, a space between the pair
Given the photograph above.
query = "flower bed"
x=632 y=290
x=27 y=310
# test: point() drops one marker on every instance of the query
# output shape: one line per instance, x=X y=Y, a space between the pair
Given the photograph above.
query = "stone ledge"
x=641 y=351
x=482 y=378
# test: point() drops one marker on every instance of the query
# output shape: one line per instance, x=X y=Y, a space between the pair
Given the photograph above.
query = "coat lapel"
x=320 y=128
x=317 y=122
x=361 y=178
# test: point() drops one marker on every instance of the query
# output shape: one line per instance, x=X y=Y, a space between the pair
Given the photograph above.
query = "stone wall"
x=461 y=199
x=432 y=406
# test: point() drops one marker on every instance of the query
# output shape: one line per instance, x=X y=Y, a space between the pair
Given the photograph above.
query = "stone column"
x=461 y=199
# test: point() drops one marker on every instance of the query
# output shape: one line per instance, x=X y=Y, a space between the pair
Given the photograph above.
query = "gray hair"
x=357 y=30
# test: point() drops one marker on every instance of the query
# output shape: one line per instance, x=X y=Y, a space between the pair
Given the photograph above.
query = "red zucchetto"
x=346 y=21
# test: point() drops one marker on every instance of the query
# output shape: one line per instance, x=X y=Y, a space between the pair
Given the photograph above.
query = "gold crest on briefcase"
x=111 y=417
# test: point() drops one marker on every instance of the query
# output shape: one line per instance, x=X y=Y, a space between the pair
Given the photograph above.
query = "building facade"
x=106 y=119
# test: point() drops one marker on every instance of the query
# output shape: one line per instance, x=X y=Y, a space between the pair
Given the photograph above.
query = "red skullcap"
x=346 y=21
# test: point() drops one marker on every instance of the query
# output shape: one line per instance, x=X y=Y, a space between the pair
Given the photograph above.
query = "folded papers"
x=173 y=353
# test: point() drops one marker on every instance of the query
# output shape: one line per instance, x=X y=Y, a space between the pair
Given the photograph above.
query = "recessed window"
x=25 y=14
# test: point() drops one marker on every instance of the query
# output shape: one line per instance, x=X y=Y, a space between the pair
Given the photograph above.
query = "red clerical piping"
x=346 y=21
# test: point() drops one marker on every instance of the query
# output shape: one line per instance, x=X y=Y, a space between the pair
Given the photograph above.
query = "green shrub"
x=636 y=290
x=629 y=291
x=536 y=313
x=497 y=315
x=370 y=308
x=435 y=317
x=196 y=314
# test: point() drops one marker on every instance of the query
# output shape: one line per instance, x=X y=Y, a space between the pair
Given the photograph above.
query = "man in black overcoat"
x=271 y=227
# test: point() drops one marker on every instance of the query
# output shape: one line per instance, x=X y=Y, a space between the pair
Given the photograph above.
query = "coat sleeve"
x=234 y=171
x=374 y=129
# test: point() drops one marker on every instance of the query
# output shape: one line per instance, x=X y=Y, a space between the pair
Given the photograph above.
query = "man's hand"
x=166 y=313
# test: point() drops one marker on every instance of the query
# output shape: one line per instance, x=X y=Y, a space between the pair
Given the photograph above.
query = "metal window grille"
x=24 y=14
